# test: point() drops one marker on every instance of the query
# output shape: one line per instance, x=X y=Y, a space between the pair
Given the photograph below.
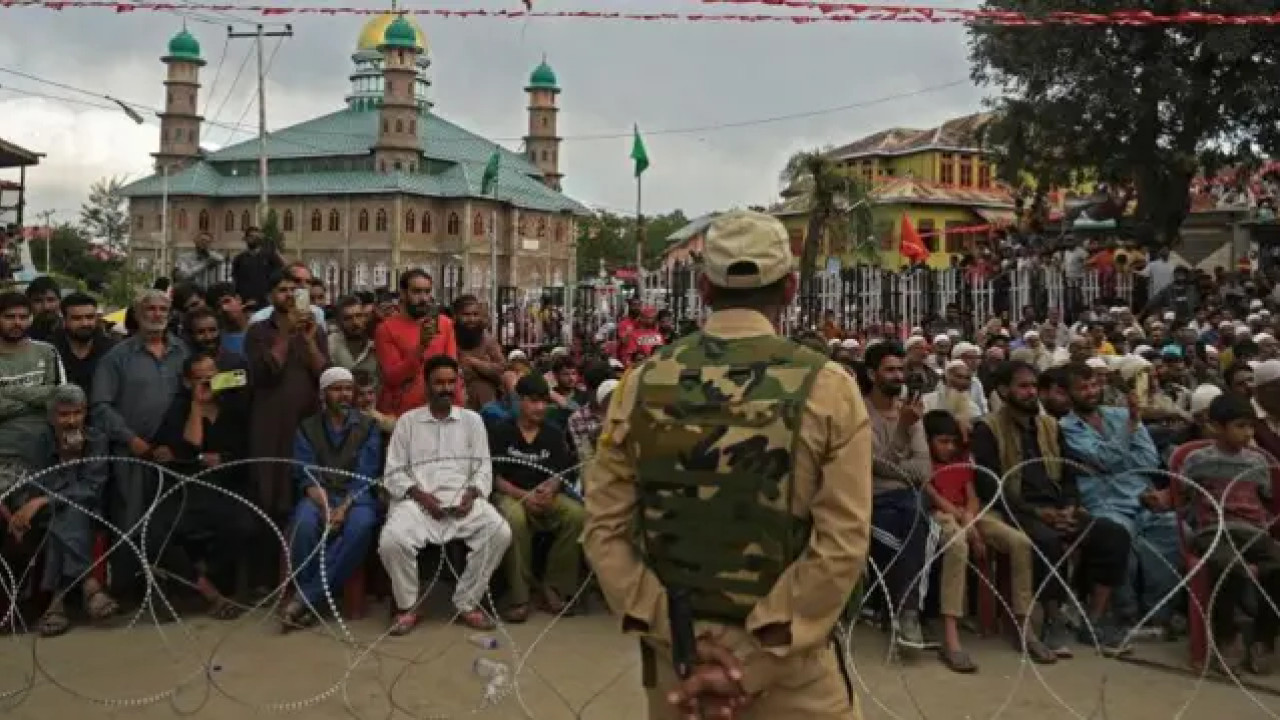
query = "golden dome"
x=374 y=31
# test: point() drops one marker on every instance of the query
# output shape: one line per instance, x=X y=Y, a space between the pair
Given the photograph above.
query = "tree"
x=1137 y=107
x=839 y=207
x=612 y=238
x=271 y=235
x=71 y=256
x=104 y=215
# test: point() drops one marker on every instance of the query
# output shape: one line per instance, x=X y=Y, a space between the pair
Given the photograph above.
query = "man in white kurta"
x=439 y=476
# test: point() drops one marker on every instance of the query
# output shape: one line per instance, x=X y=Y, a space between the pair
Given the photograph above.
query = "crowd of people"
x=384 y=423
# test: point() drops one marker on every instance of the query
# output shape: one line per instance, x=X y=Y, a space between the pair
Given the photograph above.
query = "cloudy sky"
x=697 y=90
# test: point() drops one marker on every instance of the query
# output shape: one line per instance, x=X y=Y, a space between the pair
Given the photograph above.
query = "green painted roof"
x=400 y=34
x=543 y=77
x=352 y=133
x=184 y=46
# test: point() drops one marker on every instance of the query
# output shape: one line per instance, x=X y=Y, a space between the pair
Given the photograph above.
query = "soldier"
x=741 y=462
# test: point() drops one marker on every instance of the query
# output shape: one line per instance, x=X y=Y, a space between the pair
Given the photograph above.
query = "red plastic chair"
x=1198 y=579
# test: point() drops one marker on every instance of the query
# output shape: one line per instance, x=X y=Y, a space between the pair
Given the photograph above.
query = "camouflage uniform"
x=735 y=465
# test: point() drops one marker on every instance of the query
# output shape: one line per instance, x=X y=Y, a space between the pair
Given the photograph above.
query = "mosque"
x=382 y=185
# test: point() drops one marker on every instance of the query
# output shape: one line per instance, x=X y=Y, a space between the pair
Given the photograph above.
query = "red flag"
x=528 y=5
x=910 y=245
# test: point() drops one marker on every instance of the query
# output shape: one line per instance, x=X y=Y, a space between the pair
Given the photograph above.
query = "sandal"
x=224 y=609
x=296 y=616
x=957 y=661
x=404 y=624
x=516 y=613
x=100 y=606
x=550 y=602
x=476 y=619
x=1039 y=653
x=53 y=623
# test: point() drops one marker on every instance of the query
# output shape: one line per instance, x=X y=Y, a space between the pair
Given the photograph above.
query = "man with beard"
x=1112 y=448
x=80 y=343
x=479 y=354
x=404 y=341
x=30 y=371
x=941 y=354
x=440 y=479
x=954 y=397
x=627 y=325
x=920 y=377
x=301 y=275
x=231 y=312
x=1052 y=389
x=352 y=347
x=133 y=387
x=644 y=336
x=251 y=270
x=205 y=337
x=46 y=296
x=201 y=267
x=1182 y=296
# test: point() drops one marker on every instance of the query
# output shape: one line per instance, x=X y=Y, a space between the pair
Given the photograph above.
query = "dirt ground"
x=577 y=668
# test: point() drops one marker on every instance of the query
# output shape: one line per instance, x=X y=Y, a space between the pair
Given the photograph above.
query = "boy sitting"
x=1237 y=476
x=965 y=530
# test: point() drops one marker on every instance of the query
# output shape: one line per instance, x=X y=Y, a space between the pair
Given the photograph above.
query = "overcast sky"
x=664 y=76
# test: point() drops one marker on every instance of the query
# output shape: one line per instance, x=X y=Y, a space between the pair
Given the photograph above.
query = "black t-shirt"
x=80 y=371
x=526 y=464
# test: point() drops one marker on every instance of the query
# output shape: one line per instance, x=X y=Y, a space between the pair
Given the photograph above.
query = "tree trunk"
x=809 y=251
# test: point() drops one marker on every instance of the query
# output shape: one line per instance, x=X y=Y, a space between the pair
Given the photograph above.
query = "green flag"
x=639 y=154
x=490 y=180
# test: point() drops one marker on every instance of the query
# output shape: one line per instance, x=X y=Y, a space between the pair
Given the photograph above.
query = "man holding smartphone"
x=404 y=341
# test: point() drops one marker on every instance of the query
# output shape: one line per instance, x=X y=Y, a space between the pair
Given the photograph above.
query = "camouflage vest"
x=714 y=430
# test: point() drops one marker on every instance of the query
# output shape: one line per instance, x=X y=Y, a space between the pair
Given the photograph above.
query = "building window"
x=399 y=126
x=454 y=224
x=966 y=171
x=182 y=219
x=947 y=170
x=399 y=167
x=245 y=222
x=362 y=275
x=925 y=228
x=335 y=221
x=544 y=156
x=362 y=223
x=413 y=126
x=139 y=222
x=288 y=221
x=380 y=222
x=229 y=222
x=477 y=225
x=317 y=221
x=159 y=222
x=203 y=221
x=426 y=223
x=560 y=232
x=410 y=222
x=868 y=171
x=380 y=275
x=984 y=175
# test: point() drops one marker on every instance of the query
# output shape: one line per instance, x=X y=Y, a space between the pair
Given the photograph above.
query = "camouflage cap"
x=744 y=249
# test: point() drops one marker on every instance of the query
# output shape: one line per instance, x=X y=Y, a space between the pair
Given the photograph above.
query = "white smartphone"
x=302 y=299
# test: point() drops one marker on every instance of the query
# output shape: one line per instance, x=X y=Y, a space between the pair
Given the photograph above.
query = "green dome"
x=543 y=77
x=400 y=34
x=184 y=46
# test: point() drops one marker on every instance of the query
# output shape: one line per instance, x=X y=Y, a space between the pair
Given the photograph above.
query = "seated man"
x=203 y=529
x=439 y=479
x=529 y=458
x=56 y=509
x=339 y=510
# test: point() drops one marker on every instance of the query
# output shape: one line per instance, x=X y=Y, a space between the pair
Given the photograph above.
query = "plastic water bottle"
x=490 y=670
x=486 y=642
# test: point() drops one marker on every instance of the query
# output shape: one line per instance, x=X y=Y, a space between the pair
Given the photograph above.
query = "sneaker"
x=910 y=634
x=1107 y=638
x=1056 y=637
x=1260 y=655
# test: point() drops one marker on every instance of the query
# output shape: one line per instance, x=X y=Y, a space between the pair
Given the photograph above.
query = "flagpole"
x=639 y=240
x=494 y=310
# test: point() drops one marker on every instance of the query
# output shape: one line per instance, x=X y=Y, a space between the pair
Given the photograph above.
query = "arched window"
x=413 y=126
x=544 y=156
x=362 y=275
x=139 y=222
x=317 y=221
x=399 y=167
x=399 y=126
x=245 y=222
x=159 y=222
x=453 y=225
x=560 y=232
x=203 y=221
x=542 y=227
x=229 y=223
x=477 y=225
x=380 y=221
x=362 y=222
x=386 y=126
x=426 y=223
x=410 y=222
x=335 y=221
x=288 y=221
x=182 y=219
x=380 y=274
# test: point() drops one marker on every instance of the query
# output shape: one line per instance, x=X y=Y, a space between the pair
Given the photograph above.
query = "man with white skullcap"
x=919 y=375
x=941 y=352
x=1266 y=400
x=338 y=452
x=972 y=356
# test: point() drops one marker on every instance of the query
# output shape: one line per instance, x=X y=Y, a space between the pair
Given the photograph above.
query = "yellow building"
x=940 y=178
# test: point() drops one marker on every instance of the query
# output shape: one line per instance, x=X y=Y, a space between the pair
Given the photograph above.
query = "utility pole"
x=47 y=216
x=258 y=34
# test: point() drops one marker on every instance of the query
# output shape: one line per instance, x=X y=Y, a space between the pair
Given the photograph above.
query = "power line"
x=230 y=90
x=239 y=123
x=217 y=74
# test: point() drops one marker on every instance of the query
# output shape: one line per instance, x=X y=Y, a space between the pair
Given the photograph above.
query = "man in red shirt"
x=645 y=337
x=404 y=341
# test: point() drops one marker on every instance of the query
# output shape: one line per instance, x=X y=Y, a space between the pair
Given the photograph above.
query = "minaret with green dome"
x=542 y=143
x=398 y=148
x=180 y=121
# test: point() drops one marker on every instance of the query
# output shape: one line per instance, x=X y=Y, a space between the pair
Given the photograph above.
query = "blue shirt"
x=368 y=461
x=1111 y=463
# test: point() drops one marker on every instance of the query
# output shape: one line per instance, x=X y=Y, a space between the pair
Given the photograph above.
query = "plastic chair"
x=1198 y=578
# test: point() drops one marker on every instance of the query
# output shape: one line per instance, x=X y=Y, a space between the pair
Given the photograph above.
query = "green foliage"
x=105 y=215
x=1132 y=106
x=271 y=234
x=71 y=257
x=839 y=209
x=612 y=238
x=124 y=286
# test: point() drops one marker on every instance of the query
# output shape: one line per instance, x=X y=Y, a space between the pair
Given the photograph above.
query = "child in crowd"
x=967 y=529
x=1237 y=476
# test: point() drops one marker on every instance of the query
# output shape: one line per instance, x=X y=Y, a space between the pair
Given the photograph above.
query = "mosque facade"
x=382 y=185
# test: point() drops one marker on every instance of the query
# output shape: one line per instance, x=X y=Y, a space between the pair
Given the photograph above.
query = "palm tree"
x=838 y=207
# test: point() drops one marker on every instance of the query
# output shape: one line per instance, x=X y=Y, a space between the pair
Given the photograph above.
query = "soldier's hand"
x=714 y=688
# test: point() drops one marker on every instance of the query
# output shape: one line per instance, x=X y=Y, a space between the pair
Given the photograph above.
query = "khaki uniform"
x=831 y=478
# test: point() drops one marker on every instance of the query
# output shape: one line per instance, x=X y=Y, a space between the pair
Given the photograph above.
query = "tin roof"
x=962 y=134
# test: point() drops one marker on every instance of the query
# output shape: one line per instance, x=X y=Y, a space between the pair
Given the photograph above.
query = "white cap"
x=559 y=352
x=602 y=392
x=1202 y=396
x=1266 y=372
x=1226 y=325
x=1211 y=350
x=1255 y=305
x=1031 y=335
x=954 y=334
x=335 y=375
x=1097 y=363
x=516 y=355
x=956 y=365
x=941 y=339
x=850 y=344
x=1142 y=349
x=917 y=330
x=833 y=342
x=965 y=348
x=1263 y=337
x=1264 y=314
x=616 y=364
x=913 y=341
x=1171 y=316
x=1252 y=318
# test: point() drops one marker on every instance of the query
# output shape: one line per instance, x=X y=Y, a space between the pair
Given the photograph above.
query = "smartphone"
x=302 y=299
x=230 y=380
